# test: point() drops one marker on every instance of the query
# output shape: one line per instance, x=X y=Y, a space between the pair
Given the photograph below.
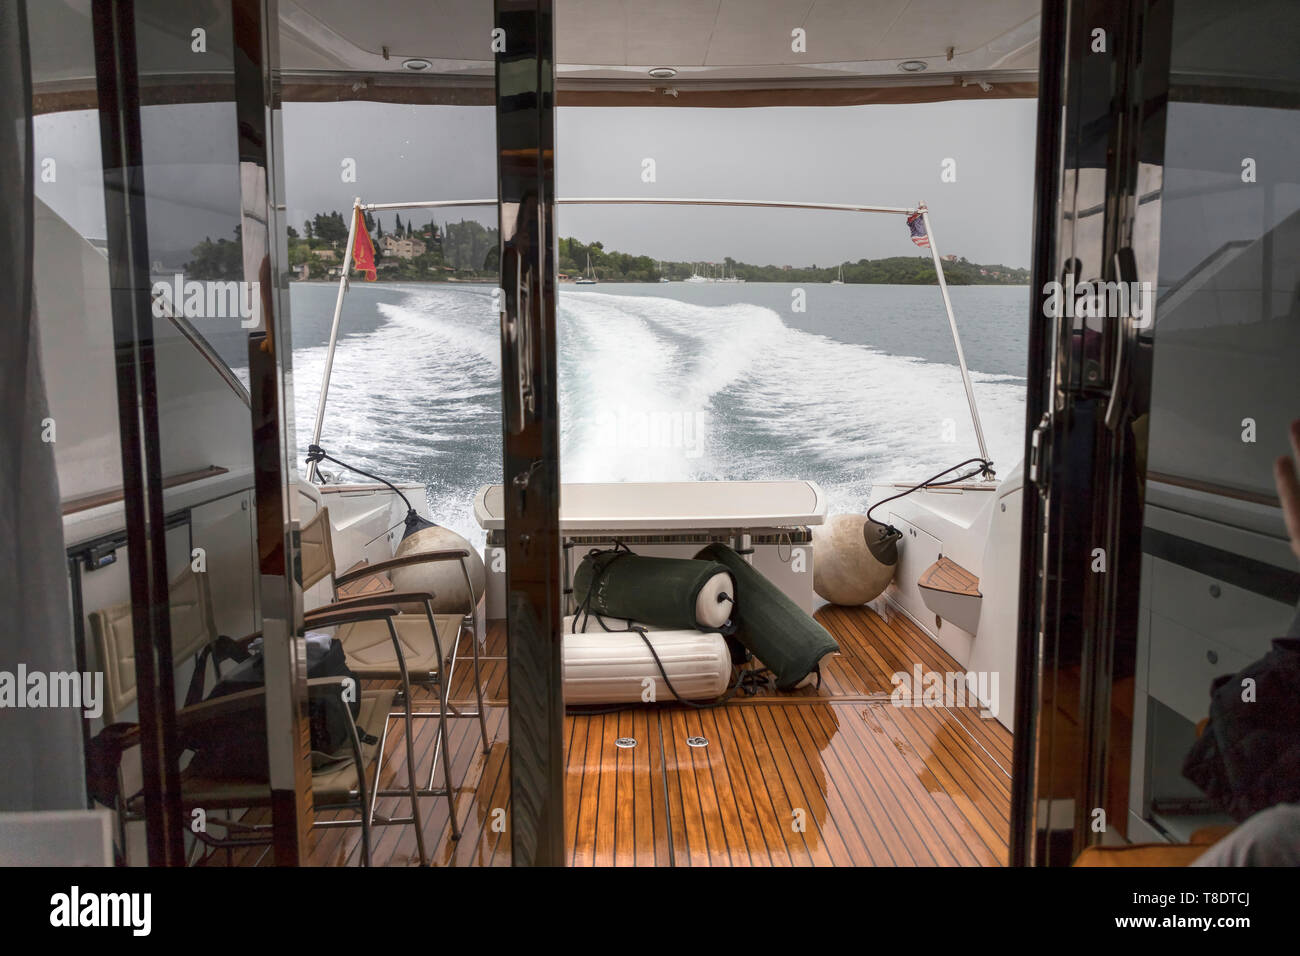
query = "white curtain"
x=40 y=749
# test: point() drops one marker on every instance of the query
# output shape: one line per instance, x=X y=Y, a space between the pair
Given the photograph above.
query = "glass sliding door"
x=390 y=159
x=147 y=309
x=1162 y=382
x=1101 y=100
x=164 y=246
x=1219 y=579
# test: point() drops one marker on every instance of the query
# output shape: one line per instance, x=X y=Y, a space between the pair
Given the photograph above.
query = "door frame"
x=525 y=105
x=117 y=80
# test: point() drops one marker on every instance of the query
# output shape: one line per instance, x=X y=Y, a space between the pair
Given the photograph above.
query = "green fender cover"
x=775 y=629
x=660 y=592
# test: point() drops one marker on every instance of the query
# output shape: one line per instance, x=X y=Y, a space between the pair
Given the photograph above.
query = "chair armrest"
x=195 y=714
x=382 y=599
x=406 y=560
x=330 y=615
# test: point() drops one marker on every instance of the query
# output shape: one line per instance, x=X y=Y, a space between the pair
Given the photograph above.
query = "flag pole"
x=956 y=338
x=334 y=333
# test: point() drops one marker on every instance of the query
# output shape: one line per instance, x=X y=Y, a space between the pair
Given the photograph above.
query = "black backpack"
x=234 y=746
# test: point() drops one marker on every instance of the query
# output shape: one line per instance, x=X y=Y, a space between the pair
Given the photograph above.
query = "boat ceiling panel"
x=714 y=38
x=604 y=48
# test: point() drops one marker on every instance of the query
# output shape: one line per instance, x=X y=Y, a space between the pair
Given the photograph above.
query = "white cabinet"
x=1184 y=664
x=917 y=550
x=224 y=530
x=1201 y=628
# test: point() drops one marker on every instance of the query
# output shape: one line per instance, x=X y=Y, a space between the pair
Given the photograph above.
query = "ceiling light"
x=417 y=65
x=912 y=66
x=663 y=72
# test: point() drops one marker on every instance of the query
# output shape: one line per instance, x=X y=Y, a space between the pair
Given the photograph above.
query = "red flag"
x=363 y=250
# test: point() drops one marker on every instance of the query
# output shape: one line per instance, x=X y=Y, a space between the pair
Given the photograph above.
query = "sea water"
x=669 y=382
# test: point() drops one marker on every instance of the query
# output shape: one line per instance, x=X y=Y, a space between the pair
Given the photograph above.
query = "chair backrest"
x=317 y=549
x=192 y=629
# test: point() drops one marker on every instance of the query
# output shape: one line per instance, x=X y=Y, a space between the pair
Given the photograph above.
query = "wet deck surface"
x=836 y=775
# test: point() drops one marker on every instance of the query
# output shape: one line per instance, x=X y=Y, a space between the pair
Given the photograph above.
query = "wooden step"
x=952 y=592
x=947 y=575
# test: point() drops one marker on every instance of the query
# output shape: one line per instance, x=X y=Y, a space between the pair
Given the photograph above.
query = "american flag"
x=917 y=226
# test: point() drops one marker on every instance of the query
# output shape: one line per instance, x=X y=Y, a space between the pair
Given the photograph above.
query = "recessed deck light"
x=417 y=65
x=663 y=72
x=913 y=66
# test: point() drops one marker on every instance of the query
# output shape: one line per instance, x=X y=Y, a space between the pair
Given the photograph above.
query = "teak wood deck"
x=836 y=775
x=947 y=575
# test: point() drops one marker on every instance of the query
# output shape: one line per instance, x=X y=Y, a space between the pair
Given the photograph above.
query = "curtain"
x=40 y=748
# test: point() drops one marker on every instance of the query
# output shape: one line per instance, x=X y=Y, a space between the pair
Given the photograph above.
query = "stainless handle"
x=516 y=333
x=1126 y=274
x=1038 y=454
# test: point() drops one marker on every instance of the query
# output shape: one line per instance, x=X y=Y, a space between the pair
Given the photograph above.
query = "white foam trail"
x=424 y=385
x=721 y=392
x=779 y=402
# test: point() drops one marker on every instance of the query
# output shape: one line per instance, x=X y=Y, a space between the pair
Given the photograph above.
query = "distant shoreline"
x=386 y=280
x=568 y=282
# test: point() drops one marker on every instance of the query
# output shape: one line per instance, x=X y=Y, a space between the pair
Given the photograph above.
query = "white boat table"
x=672 y=506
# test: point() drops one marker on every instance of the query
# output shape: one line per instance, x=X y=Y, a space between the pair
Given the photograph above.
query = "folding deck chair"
x=383 y=643
x=340 y=784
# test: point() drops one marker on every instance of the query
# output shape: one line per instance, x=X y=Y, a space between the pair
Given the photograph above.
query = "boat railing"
x=921 y=208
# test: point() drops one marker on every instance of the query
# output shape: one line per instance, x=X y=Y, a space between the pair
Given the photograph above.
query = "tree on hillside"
x=331 y=227
x=222 y=259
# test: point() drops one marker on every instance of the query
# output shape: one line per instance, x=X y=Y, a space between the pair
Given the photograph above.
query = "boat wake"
x=651 y=389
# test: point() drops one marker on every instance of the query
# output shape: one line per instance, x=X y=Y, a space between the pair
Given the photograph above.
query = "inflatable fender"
x=673 y=593
x=770 y=625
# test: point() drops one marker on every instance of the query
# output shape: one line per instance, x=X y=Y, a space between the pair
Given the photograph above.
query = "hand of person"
x=1288 y=488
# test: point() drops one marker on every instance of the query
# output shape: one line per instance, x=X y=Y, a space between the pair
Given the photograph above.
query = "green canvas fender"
x=774 y=629
x=673 y=593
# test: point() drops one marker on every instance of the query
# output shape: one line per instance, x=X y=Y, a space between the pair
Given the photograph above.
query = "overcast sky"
x=884 y=155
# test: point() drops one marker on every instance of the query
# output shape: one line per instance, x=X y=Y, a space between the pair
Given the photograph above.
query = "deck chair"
x=382 y=645
x=192 y=631
x=341 y=784
x=192 y=627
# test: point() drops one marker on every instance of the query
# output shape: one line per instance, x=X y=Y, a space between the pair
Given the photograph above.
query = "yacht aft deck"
x=830 y=776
